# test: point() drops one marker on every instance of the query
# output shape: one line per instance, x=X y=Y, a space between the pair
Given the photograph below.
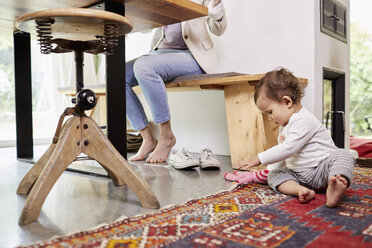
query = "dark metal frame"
x=115 y=92
x=338 y=105
x=115 y=89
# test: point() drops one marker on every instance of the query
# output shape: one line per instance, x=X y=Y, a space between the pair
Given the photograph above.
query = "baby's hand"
x=248 y=163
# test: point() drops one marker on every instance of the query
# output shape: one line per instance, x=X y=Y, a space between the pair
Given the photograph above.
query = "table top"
x=144 y=14
x=148 y=14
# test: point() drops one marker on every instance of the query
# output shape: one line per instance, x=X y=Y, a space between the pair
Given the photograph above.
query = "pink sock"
x=253 y=176
x=241 y=174
x=248 y=176
x=260 y=176
x=230 y=177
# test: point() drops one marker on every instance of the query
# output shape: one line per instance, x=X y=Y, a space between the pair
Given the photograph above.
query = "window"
x=7 y=116
x=361 y=69
x=333 y=19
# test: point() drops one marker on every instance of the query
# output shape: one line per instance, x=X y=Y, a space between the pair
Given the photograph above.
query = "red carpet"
x=247 y=216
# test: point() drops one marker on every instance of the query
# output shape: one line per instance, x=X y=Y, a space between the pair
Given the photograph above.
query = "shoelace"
x=208 y=154
x=186 y=154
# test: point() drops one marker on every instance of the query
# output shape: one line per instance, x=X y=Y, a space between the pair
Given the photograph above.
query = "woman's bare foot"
x=336 y=187
x=148 y=145
x=162 y=150
x=305 y=195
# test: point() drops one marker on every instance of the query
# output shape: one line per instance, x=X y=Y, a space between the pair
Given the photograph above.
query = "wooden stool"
x=77 y=30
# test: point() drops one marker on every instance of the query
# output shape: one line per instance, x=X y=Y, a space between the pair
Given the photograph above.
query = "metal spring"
x=44 y=34
x=110 y=38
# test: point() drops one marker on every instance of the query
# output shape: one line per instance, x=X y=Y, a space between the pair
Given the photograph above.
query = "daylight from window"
x=7 y=115
x=361 y=68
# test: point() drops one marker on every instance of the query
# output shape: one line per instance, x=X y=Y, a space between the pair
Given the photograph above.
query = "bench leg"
x=271 y=132
x=248 y=129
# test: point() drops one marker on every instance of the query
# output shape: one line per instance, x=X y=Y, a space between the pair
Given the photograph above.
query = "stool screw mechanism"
x=44 y=34
x=110 y=38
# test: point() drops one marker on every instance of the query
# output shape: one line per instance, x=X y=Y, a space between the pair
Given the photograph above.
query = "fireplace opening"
x=334 y=105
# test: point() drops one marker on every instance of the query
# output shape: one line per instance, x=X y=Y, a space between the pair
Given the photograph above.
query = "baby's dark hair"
x=279 y=83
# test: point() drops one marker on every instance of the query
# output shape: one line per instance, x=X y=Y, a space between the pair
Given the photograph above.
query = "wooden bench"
x=250 y=131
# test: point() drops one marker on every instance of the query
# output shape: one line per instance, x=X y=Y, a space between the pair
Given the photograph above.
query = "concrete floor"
x=79 y=202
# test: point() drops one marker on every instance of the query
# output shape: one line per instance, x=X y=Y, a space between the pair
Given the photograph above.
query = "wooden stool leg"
x=97 y=146
x=33 y=174
x=65 y=152
x=245 y=123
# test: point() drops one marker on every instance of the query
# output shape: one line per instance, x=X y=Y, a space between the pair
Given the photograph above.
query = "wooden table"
x=145 y=14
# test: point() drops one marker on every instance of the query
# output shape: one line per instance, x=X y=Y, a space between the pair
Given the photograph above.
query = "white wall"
x=261 y=36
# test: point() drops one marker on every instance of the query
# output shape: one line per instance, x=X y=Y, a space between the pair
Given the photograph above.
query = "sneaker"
x=183 y=160
x=208 y=160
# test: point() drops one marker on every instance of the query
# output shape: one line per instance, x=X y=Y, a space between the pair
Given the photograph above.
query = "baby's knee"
x=345 y=156
x=342 y=164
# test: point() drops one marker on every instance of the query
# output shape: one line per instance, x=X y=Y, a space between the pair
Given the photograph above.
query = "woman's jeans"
x=150 y=72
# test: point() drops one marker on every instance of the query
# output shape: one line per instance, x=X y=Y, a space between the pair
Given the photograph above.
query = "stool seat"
x=74 y=23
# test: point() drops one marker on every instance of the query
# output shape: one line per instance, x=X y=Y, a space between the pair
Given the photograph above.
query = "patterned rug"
x=246 y=216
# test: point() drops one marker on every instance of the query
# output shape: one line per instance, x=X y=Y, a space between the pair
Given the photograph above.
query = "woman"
x=176 y=50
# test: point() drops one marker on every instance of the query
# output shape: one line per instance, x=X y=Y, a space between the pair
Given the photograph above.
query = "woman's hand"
x=215 y=3
x=248 y=163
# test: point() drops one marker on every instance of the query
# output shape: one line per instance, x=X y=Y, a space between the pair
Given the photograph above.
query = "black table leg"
x=23 y=94
x=115 y=89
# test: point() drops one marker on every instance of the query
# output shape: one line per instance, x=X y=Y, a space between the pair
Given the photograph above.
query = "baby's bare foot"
x=305 y=195
x=336 y=187
x=162 y=150
x=146 y=148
